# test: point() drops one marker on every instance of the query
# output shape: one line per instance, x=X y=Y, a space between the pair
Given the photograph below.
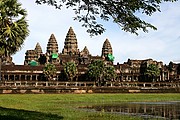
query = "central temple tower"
x=52 y=50
x=70 y=44
x=106 y=49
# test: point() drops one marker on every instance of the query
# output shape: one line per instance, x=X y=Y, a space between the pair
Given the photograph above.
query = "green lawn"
x=65 y=106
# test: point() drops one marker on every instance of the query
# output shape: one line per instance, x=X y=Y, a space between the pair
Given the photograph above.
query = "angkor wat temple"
x=129 y=71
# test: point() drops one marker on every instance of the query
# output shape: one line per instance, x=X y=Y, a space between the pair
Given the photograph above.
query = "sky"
x=161 y=45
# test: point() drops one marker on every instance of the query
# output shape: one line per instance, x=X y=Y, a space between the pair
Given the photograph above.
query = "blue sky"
x=161 y=45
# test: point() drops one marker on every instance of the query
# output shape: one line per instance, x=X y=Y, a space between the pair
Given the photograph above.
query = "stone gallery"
x=35 y=60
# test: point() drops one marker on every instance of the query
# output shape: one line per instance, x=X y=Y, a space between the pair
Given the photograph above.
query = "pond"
x=157 y=110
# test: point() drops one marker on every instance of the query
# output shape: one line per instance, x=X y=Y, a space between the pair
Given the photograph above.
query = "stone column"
x=46 y=83
x=132 y=78
x=162 y=76
x=36 y=84
x=25 y=77
x=36 y=77
x=168 y=75
x=111 y=84
x=126 y=78
x=121 y=79
x=66 y=84
x=2 y=77
x=7 y=77
x=30 y=77
x=20 y=77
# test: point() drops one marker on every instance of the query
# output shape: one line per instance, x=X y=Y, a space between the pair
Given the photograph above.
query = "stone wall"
x=35 y=87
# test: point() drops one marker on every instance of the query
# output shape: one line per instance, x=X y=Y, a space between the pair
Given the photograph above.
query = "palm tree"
x=49 y=71
x=70 y=69
x=13 y=28
x=152 y=71
x=1 y=53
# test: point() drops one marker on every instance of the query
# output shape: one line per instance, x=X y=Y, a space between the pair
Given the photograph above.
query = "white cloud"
x=162 y=44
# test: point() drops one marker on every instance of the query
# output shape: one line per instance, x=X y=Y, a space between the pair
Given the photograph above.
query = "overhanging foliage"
x=122 y=12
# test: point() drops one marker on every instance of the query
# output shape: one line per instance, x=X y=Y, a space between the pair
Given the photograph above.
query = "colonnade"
x=14 y=77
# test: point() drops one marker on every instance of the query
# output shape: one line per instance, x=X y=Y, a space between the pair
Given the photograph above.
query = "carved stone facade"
x=69 y=53
x=130 y=71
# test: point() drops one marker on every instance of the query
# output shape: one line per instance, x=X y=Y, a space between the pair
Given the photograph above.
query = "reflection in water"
x=166 y=110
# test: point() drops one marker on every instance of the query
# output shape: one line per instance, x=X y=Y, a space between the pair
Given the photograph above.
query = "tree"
x=99 y=71
x=122 y=12
x=49 y=71
x=152 y=71
x=96 y=69
x=13 y=26
x=70 y=70
x=109 y=73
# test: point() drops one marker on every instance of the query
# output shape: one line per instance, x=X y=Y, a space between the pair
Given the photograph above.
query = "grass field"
x=66 y=106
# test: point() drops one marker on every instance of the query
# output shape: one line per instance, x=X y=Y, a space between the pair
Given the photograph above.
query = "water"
x=147 y=110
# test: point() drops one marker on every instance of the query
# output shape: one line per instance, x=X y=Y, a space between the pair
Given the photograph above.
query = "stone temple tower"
x=85 y=51
x=52 y=46
x=52 y=51
x=38 y=49
x=70 y=44
x=30 y=55
x=106 y=49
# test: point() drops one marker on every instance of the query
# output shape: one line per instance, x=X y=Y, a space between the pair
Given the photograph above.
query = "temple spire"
x=70 y=44
x=52 y=46
x=106 y=49
x=85 y=51
x=38 y=49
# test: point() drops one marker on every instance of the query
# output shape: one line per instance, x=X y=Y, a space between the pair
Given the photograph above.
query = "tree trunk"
x=0 y=67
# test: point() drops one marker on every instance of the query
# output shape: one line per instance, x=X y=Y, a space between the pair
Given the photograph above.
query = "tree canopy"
x=70 y=69
x=49 y=71
x=13 y=26
x=152 y=71
x=122 y=12
x=109 y=73
x=99 y=71
x=96 y=69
